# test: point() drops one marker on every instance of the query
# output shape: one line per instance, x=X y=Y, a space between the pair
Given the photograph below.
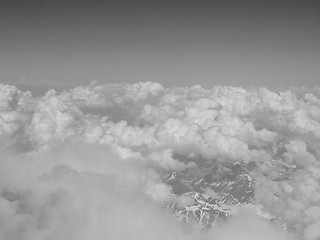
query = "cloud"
x=247 y=225
x=81 y=192
x=87 y=192
x=84 y=163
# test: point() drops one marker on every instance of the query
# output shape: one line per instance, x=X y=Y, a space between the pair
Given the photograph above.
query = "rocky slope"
x=214 y=192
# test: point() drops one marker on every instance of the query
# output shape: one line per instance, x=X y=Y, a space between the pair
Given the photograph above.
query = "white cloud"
x=247 y=225
x=63 y=166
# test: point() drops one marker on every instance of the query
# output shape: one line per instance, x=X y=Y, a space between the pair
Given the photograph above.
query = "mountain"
x=214 y=189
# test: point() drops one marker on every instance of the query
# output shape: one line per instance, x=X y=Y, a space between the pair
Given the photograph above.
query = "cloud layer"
x=86 y=163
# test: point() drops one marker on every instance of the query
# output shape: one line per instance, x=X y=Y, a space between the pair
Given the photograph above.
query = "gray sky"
x=176 y=43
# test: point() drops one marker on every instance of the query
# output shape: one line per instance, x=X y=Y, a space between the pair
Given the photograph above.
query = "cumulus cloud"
x=247 y=225
x=88 y=163
x=80 y=192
